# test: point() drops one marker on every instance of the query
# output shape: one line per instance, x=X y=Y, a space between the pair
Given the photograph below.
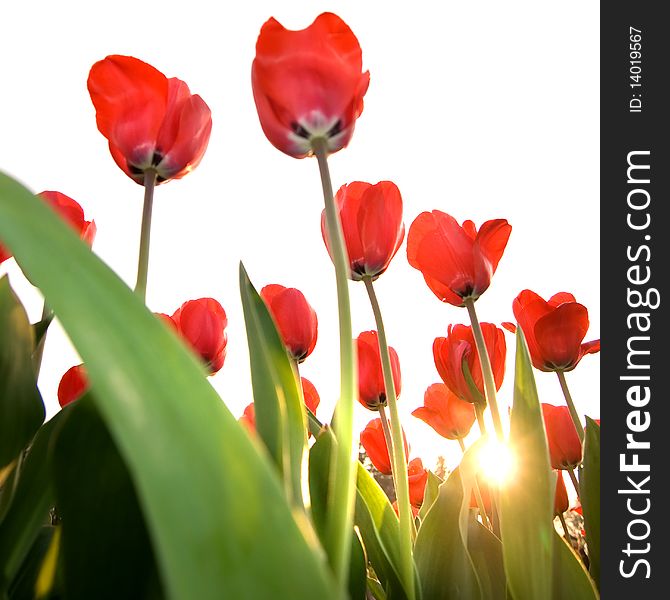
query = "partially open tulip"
x=417 y=477
x=310 y=395
x=565 y=449
x=73 y=385
x=294 y=317
x=457 y=261
x=308 y=84
x=151 y=122
x=71 y=212
x=202 y=323
x=553 y=329
x=445 y=412
x=371 y=389
x=372 y=439
x=561 y=503
x=371 y=217
x=458 y=350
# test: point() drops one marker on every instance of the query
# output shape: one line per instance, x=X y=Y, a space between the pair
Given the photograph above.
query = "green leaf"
x=23 y=586
x=219 y=521
x=571 y=580
x=32 y=500
x=280 y=416
x=358 y=570
x=430 y=494
x=527 y=499
x=105 y=547
x=486 y=552
x=590 y=495
x=444 y=565
x=21 y=407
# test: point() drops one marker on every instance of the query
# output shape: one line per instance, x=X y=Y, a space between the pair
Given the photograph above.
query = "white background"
x=480 y=109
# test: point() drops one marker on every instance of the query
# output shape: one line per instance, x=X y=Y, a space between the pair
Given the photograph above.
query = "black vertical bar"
x=635 y=169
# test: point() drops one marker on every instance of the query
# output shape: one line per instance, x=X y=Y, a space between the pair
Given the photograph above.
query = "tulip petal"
x=488 y=249
x=559 y=334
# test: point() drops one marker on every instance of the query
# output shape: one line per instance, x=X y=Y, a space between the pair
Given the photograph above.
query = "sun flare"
x=497 y=462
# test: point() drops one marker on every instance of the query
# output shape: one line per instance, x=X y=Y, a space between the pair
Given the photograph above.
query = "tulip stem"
x=575 y=483
x=399 y=460
x=487 y=371
x=145 y=235
x=388 y=438
x=571 y=405
x=345 y=458
x=45 y=321
x=478 y=494
x=479 y=411
x=566 y=535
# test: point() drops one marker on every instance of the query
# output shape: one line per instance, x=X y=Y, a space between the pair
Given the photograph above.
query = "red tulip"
x=310 y=395
x=445 y=412
x=554 y=330
x=70 y=211
x=73 y=385
x=308 y=84
x=456 y=261
x=295 y=319
x=202 y=323
x=417 y=477
x=372 y=438
x=459 y=349
x=565 y=449
x=561 y=503
x=248 y=418
x=371 y=389
x=150 y=121
x=371 y=217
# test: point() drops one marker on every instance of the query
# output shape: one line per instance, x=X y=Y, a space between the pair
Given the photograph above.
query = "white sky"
x=480 y=109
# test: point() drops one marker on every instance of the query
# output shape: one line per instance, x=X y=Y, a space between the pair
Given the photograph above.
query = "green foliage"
x=590 y=495
x=21 y=407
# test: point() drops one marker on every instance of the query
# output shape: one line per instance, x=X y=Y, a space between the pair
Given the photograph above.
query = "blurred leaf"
x=527 y=499
x=571 y=580
x=589 y=483
x=105 y=547
x=486 y=552
x=219 y=522
x=430 y=494
x=358 y=571
x=32 y=500
x=23 y=586
x=445 y=568
x=21 y=407
x=280 y=416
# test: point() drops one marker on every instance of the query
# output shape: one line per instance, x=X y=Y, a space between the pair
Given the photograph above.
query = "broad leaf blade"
x=21 y=407
x=430 y=494
x=280 y=416
x=590 y=495
x=527 y=499
x=571 y=580
x=219 y=522
x=486 y=552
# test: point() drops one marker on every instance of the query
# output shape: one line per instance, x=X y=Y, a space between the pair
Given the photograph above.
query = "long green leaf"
x=219 y=521
x=590 y=495
x=280 y=416
x=486 y=552
x=571 y=580
x=527 y=499
x=21 y=407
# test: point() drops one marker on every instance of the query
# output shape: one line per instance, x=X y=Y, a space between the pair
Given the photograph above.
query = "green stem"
x=566 y=535
x=479 y=411
x=388 y=438
x=487 y=371
x=571 y=405
x=145 y=235
x=399 y=460
x=575 y=483
x=47 y=314
x=345 y=458
x=478 y=494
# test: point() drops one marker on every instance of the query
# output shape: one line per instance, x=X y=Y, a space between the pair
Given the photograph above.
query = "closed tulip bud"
x=372 y=439
x=417 y=477
x=371 y=389
x=565 y=449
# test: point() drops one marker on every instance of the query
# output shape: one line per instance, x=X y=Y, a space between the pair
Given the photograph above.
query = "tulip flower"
x=371 y=217
x=565 y=449
x=73 y=385
x=458 y=350
x=457 y=262
x=445 y=412
x=310 y=395
x=374 y=442
x=248 y=418
x=417 y=477
x=295 y=319
x=151 y=122
x=553 y=329
x=371 y=390
x=71 y=212
x=561 y=503
x=308 y=84
x=202 y=323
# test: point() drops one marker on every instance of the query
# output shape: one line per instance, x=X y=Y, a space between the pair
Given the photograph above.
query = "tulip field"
x=144 y=485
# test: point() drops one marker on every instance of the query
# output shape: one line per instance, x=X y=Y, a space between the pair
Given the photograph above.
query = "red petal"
x=310 y=395
x=559 y=334
x=560 y=298
x=488 y=250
